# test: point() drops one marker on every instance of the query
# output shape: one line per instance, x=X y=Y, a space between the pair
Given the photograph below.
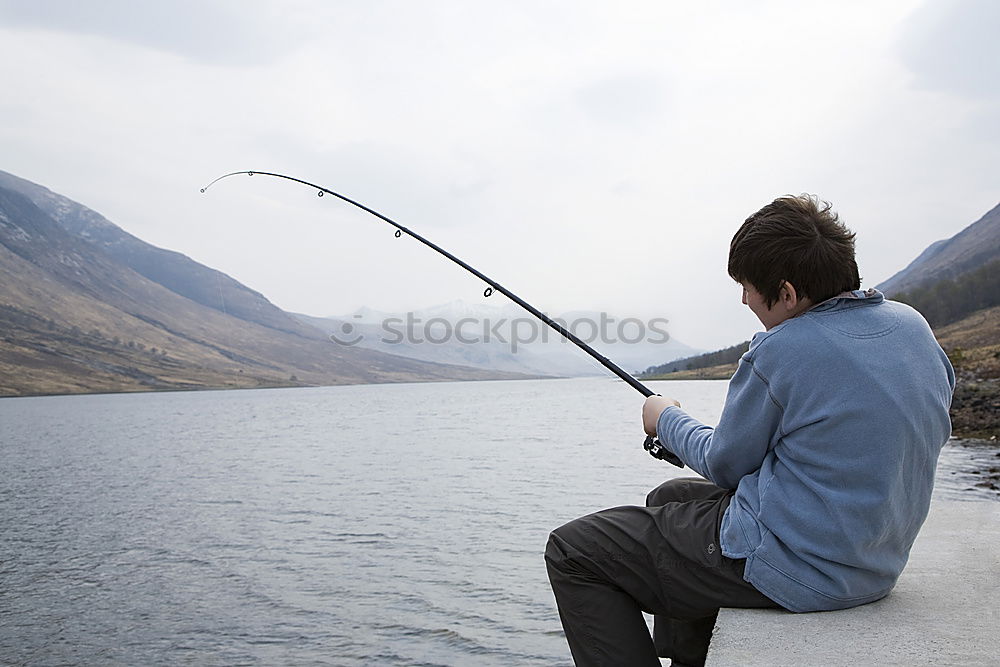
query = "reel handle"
x=658 y=451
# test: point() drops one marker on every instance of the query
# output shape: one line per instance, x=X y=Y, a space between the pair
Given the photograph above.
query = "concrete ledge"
x=945 y=609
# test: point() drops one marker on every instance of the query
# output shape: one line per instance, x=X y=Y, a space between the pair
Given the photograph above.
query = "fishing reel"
x=658 y=451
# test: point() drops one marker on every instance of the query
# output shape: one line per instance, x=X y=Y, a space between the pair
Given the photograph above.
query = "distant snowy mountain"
x=506 y=338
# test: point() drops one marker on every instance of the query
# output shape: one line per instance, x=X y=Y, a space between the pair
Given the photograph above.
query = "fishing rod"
x=651 y=445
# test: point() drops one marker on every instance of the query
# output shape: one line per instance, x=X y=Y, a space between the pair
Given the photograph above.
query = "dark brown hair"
x=799 y=240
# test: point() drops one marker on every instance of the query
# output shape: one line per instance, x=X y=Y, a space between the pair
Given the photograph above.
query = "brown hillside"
x=973 y=345
x=73 y=319
x=979 y=329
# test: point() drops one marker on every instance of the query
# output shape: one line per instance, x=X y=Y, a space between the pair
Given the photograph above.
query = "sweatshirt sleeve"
x=737 y=446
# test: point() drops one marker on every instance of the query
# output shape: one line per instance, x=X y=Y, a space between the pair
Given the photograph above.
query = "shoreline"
x=969 y=469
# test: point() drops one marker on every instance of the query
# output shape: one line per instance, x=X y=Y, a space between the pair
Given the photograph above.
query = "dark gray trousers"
x=608 y=567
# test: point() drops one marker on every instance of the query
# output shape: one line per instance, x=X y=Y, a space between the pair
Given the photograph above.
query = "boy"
x=817 y=477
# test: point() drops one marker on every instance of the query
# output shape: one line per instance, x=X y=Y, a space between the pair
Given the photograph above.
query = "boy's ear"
x=792 y=301
x=788 y=296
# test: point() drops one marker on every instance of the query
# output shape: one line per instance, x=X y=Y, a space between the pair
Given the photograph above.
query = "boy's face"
x=787 y=306
x=755 y=300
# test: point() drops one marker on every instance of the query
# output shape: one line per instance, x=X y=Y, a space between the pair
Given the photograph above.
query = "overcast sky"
x=587 y=155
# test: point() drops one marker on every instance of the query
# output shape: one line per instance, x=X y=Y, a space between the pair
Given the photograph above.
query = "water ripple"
x=332 y=526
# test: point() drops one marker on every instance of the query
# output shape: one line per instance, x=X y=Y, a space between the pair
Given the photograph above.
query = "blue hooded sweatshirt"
x=830 y=435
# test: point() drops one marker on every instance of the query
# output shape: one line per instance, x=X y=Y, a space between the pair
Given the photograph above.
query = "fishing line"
x=652 y=445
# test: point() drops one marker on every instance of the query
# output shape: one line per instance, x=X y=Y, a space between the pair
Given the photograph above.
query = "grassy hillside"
x=718 y=365
x=718 y=372
x=55 y=338
x=950 y=300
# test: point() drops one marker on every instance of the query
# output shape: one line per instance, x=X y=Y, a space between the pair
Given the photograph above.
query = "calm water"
x=390 y=524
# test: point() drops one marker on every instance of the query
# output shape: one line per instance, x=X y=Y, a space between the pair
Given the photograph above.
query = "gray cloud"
x=219 y=32
x=952 y=46
x=590 y=159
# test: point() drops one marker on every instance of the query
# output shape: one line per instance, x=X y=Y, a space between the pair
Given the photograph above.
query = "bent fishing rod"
x=651 y=445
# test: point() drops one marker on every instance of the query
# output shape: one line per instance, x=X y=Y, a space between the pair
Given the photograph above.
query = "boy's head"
x=796 y=240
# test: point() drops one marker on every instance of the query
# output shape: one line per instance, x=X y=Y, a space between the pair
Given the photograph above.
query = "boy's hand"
x=651 y=410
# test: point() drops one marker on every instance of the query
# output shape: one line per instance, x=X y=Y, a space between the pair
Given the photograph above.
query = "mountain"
x=178 y=273
x=505 y=337
x=955 y=277
x=85 y=306
x=974 y=246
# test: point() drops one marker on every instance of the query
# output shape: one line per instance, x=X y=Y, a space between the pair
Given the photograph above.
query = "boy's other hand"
x=651 y=410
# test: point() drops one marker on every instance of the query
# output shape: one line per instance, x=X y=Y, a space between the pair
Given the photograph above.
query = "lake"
x=378 y=524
